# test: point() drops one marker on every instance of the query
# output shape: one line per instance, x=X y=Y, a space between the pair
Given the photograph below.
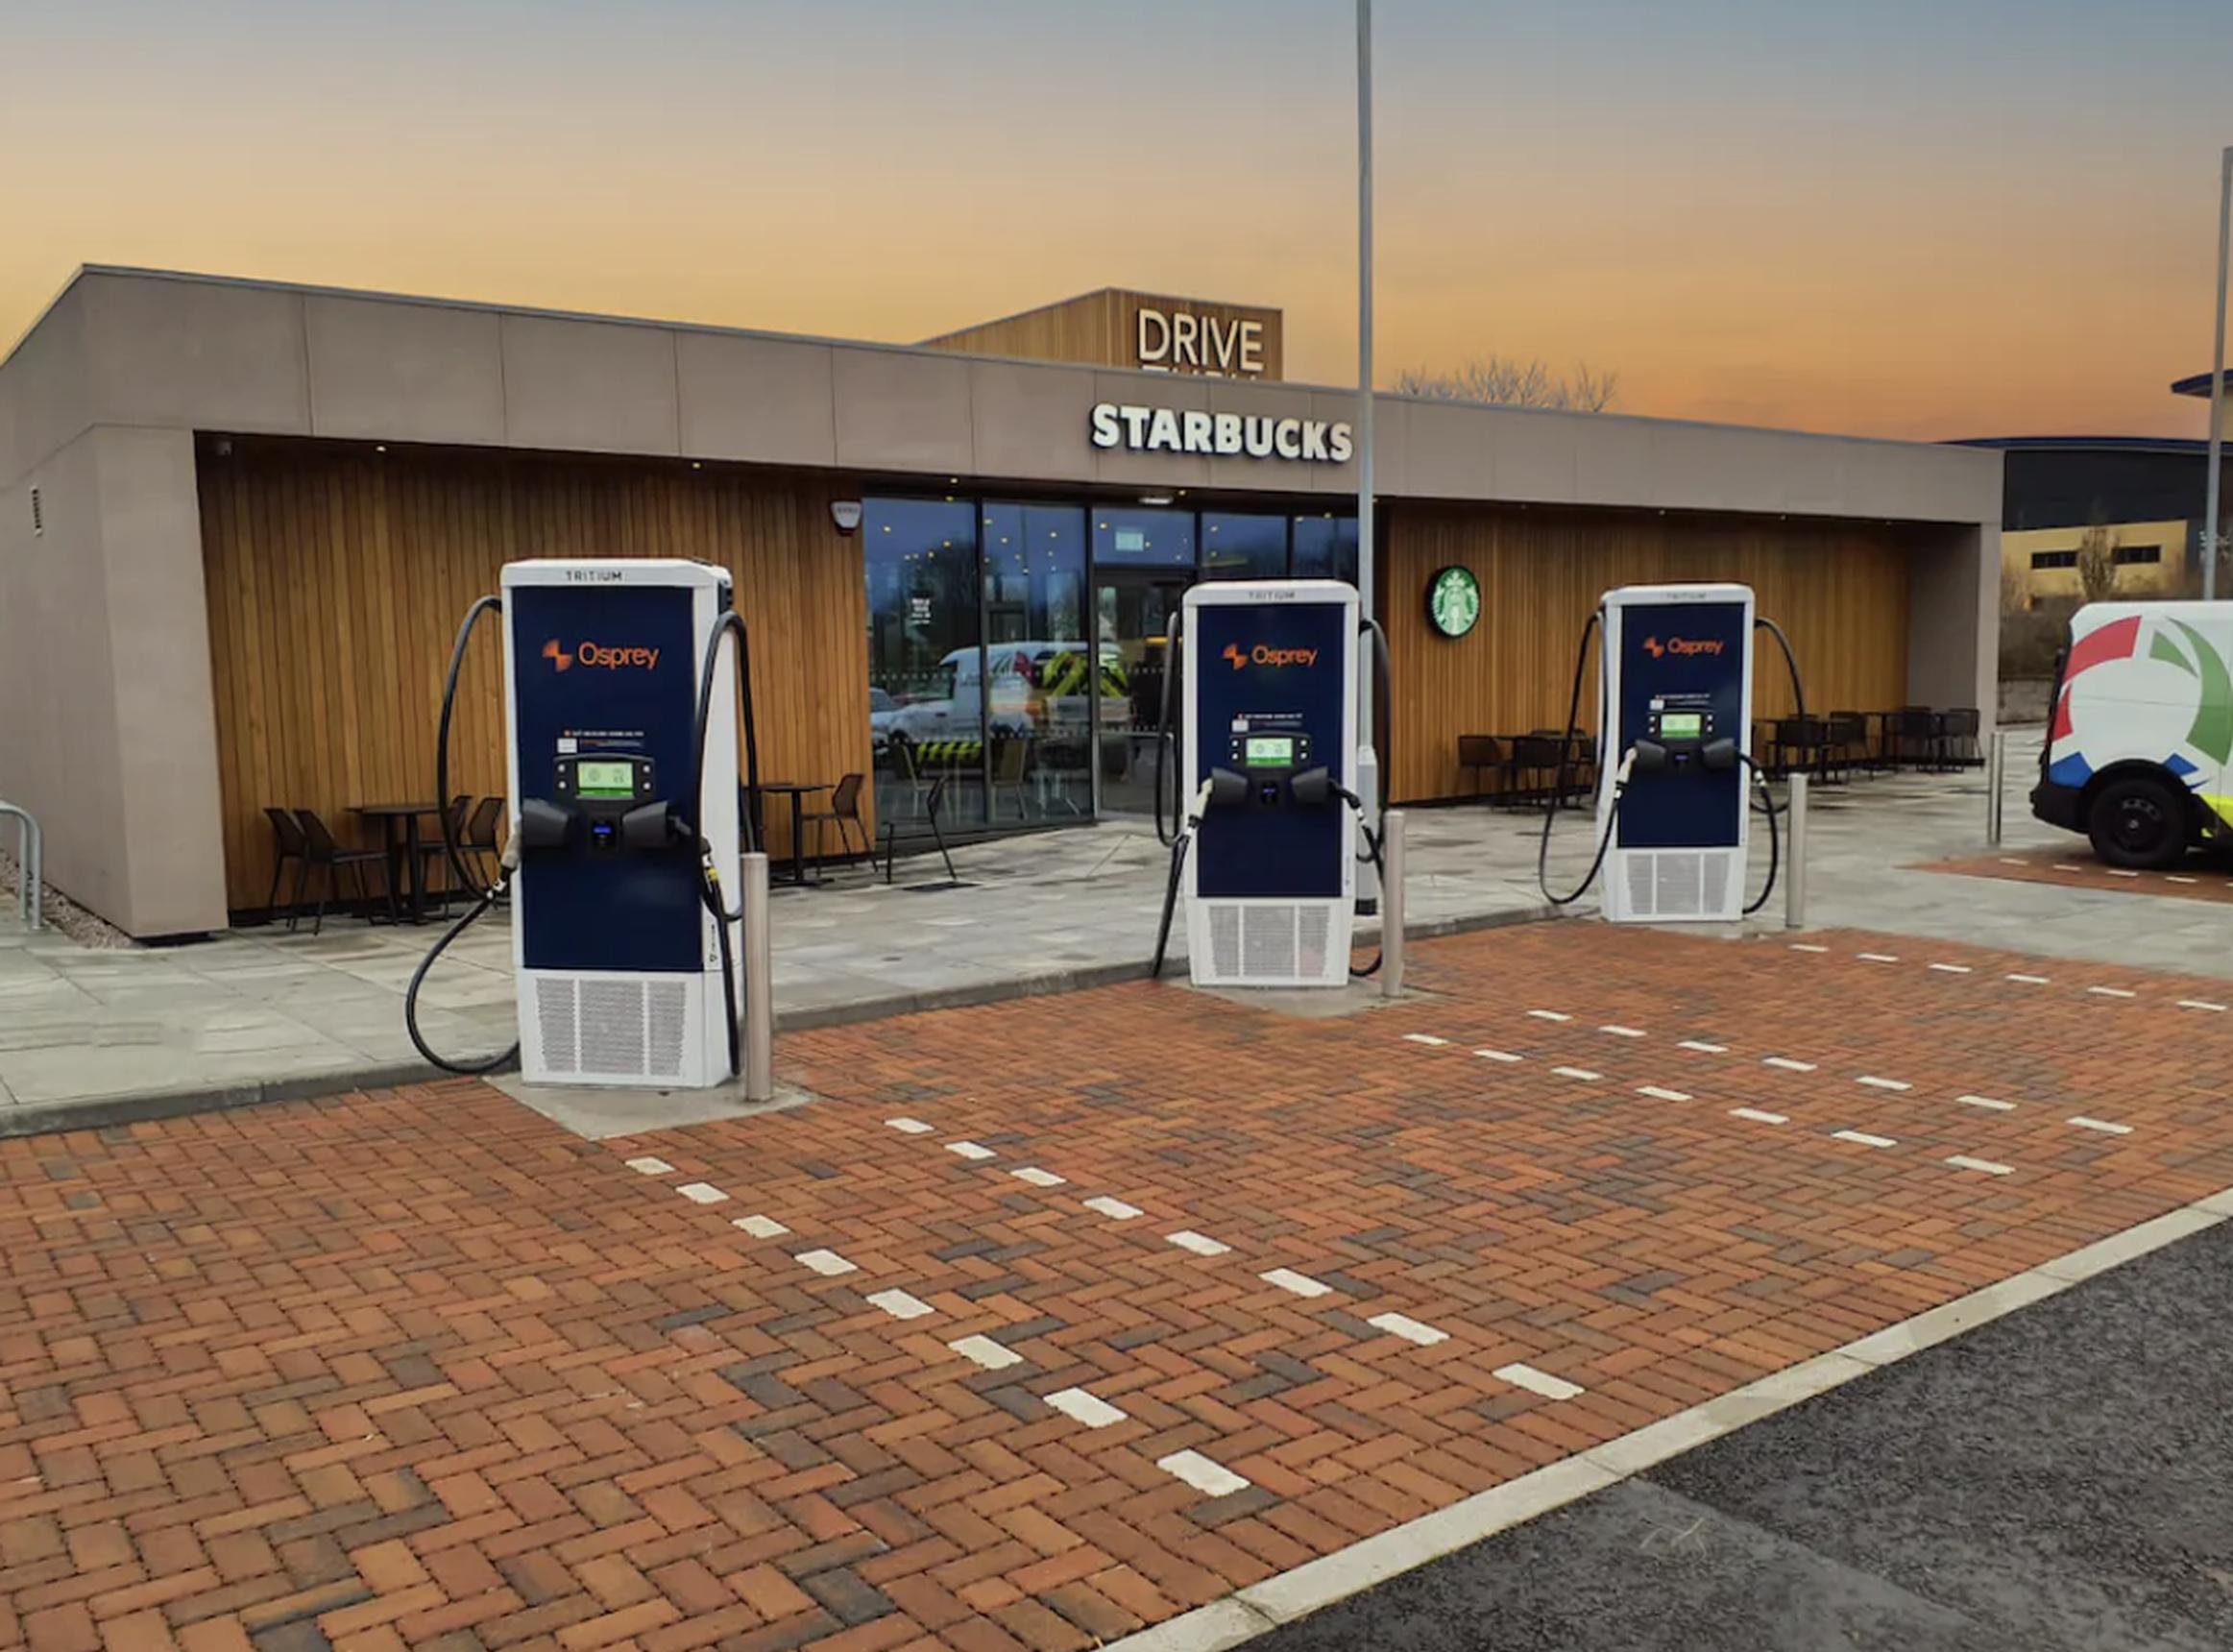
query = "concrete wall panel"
x=1954 y=619
x=593 y=387
x=1031 y=424
x=768 y=400
x=185 y=354
x=390 y=372
x=903 y=412
x=42 y=389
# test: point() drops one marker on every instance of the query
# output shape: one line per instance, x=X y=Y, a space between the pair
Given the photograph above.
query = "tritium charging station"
x=617 y=953
x=1270 y=756
x=1675 y=718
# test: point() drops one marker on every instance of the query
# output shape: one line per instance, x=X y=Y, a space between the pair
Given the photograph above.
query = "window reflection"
x=1039 y=703
x=1325 y=547
x=923 y=658
x=1237 y=546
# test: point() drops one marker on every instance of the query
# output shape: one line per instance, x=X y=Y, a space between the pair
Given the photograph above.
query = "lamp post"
x=2211 y=533
x=1370 y=780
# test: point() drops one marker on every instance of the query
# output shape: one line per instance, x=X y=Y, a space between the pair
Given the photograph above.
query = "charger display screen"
x=1269 y=751
x=605 y=780
x=1682 y=726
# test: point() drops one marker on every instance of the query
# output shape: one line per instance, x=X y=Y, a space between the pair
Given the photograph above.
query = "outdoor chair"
x=893 y=832
x=289 y=844
x=844 y=811
x=322 y=854
x=479 y=842
x=1957 y=736
x=1480 y=753
x=1849 y=742
x=1533 y=766
x=1798 y=745
x=1012 y=763
x=1913 y=737
x=435 y=876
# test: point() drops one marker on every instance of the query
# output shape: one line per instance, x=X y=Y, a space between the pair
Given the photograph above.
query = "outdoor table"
x=399 y=824
x=798 y=792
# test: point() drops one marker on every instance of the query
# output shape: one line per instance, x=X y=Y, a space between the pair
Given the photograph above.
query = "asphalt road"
x=2058 y=1481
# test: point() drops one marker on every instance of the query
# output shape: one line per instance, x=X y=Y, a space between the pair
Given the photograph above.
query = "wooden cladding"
x=1839 y=589
x=337 y=578
x=1109 y=329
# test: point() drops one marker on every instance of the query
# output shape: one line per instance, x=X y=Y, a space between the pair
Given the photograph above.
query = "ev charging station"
x=1268 y=760
x=623 y=715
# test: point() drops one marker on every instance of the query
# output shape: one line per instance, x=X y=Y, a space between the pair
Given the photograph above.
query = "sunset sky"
x=1912 y=217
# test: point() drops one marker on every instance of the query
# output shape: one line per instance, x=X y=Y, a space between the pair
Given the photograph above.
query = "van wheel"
x=2138 y=821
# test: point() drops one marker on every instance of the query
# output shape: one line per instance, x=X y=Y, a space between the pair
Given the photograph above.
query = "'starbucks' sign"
x=1453 y=602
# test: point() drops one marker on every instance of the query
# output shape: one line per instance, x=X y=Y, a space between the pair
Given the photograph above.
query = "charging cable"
x=1180 y=840
x=1543 y=853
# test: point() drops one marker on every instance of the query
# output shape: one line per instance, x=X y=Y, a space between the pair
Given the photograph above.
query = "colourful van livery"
x=2142 y=731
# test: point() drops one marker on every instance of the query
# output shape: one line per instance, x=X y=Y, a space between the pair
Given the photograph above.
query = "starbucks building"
x=239 y=521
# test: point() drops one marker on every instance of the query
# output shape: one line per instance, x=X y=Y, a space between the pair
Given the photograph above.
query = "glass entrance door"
x=1136 y=608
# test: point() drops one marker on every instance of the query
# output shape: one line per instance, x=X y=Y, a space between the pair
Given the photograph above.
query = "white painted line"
x=1703 y=1048
x=2120 y=872
x=1423 y=1039
x=1115 y=1209
x=651 y=1166
x=760 y=1226
x=2113 y=991
x=827 y=1263
x=1498 y=1056
x=1536 y=1381
x=1036 y=1176
x=702 y=1192
x=1212 y=1480
x=2060 y=866
x=1807 y=946
x=970 y=1149
x=1787 y=1064
x=1201 y=1245
x=1551 y=1015
x=2011 y=861
x=1408 y=1329
x=907 y=1127
x=2201 y=1003
x=1963 y=1161
x=2102 y=1125
x=986 y=1353
x=2027 y=980
x=1876 y=1084
x=1953 y=968
x=1878 y=957
x=1986 y=1101
x=1758 y=1117
x=1657 y=1093
x=1582 y=1073
x=900 y=1305
x=1862 y=1138
x=1302 y=1284
x=1624 y=1032
x=2176 y=878
x=1090 y=1409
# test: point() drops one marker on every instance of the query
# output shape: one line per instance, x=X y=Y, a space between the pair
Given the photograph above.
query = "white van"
x=2142 y=736
x=1037 y=688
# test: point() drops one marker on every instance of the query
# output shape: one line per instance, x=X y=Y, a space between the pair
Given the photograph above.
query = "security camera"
x=846 y=514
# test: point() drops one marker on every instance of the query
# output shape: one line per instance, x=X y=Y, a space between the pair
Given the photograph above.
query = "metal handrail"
x=30 y=862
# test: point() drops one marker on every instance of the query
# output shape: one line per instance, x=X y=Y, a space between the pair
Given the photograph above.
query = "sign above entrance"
x=1186 y=340
x=1221 y=436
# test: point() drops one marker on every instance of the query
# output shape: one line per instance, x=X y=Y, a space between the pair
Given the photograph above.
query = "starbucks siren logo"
x=1453 y=602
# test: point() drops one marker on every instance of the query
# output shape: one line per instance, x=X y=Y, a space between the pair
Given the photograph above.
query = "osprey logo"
x=1263 y=654
x=558 y=657
x=1680 y=645
x=599 y=655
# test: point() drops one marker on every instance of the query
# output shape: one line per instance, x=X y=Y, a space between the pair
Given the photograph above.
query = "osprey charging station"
x=1269 y=758
x=1676 y=673
x=623 y=716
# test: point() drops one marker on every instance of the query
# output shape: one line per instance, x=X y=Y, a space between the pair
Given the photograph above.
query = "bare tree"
x=1504 y=381
x=2098 y=563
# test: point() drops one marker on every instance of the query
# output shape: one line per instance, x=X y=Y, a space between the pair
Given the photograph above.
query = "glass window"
x=1325 y=547
x=1136 y=538
x=1040 y=705
x=926 y=699
x=2054 y=559
x=1243 y=547
x=2127 y=554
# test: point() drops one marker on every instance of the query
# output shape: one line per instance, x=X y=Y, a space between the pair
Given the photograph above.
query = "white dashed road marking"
x=1115 y=1209
x=2120 y=872
x=1986 y=1101
x=1787 y=1064
x=1657 y=1093
x=1623 y=1032
x=1702 y=1046
x=2176 y=878
x=1876 y=1084
x=2102 y=1125
x=1807 y=946
x=908 y=1127
x=2113 y=991
x=651 y=1166
x=1090 y=1409
x=827 y=1263
x=900 y=1305
x=1758 y=1117
x=1536 y=1381
x=1582 y=1073
x=1036 y=1176
x=1408 y=1329
x=2059 y=867
x=970 y=1149
x=1963 y=1161
x=1498 y=1056
x=1879 y=958
x=1862 y=1138
x=2201 y=1004
x=1423 y=1039
x=986 y=1353
x=1213 y=1479
x=1953 y=968
x=2027 y=980
x=760 y=1226
x=702 y=1192
x=1302 y=1284
x=1551 y=1015
x=1201 y=1243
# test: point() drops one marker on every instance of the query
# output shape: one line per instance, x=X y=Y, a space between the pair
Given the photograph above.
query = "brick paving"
x=420 y=1369
x=2200 y=877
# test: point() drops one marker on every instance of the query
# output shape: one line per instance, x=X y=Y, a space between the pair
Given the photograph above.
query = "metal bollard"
x=1392 y=903
x=29 y=863
x=1996 y=782
x=1795 y=873
x=759 y=983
